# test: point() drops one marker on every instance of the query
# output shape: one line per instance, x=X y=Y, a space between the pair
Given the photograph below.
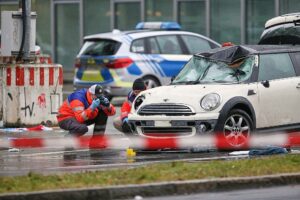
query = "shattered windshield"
x=203 y=70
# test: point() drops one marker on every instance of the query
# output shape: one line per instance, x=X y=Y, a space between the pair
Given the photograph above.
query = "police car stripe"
x=143 y=63
x=124 y=39
x=157 y=66
x=153 y=65
x=148 y=63
x=129 y=36
x=127 y=39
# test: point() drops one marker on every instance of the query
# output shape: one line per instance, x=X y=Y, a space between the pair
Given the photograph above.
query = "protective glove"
x=125 y=120
x=126 y=127
x=95 y=104
x=105 y=102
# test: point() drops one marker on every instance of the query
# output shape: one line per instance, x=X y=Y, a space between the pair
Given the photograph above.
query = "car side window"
x=275 y=66
x=153 y=46
x=169 y=44
x=138 y=46
x=195 y=44
x=296 y=58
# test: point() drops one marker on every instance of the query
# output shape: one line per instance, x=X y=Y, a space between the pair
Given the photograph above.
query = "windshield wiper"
x=186 y=82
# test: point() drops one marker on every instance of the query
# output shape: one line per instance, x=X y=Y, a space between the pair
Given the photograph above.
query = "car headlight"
x=138 y=101
x=210 y=101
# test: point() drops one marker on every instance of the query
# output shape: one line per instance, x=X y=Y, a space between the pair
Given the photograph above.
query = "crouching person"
x=121 y=122
x=83 y=108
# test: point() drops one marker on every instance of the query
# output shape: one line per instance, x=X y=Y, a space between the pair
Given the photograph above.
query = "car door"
x=167 y=55
x=279 y=95
x=159 y=56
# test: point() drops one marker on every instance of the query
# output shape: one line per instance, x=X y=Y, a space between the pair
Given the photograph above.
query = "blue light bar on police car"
x=158 y=25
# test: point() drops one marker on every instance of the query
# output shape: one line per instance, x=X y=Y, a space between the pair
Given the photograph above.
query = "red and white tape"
x=112 y=142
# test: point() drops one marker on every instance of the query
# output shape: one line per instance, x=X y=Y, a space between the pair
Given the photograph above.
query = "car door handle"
x=298 y=86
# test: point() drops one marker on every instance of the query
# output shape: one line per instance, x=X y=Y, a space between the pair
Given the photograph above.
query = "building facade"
x=62 y=24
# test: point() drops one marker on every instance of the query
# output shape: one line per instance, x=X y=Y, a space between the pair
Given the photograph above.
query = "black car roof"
x=234 y=53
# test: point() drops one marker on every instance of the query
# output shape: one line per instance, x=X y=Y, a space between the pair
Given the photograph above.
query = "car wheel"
x=237 y=128
x=151 y=82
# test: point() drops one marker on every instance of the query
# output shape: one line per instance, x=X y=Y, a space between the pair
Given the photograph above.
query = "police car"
x=155 y=51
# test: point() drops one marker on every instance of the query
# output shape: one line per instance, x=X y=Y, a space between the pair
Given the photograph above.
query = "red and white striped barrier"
x=212 y=141
x=35 y=75
x=30 y=93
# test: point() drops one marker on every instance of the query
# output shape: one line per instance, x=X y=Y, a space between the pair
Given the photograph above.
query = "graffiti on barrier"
x=42 y=100
x=27 y=106
x=10 y=96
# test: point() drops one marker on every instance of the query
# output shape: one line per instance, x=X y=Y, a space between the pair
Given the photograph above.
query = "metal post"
x=28 y=30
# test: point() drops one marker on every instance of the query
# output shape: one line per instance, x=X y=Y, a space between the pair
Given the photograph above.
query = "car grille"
x=166 y=131
x=166 y=109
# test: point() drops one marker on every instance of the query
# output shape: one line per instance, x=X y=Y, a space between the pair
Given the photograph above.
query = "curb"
x=160 y=189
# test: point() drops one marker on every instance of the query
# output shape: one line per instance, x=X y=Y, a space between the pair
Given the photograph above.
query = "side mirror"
x=266 y=83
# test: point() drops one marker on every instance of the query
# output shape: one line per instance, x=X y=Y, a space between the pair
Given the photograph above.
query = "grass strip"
x=173 y=171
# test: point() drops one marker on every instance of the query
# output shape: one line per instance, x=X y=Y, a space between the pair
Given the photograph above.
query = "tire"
x=151 y=82
x=236 y=128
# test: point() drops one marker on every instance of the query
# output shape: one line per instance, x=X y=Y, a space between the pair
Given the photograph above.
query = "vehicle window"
x=195 y=44
x=153 y=46
x=99 y=47
x=296 y=57
x=275 y=66
x=138 y=46
x=169 y=44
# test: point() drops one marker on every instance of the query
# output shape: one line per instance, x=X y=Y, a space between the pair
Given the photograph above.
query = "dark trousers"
x=77 y=129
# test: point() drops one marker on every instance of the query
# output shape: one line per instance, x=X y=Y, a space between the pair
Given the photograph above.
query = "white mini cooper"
x=233 y=90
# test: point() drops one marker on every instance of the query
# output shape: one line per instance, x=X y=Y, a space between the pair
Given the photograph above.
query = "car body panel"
x=284 y=91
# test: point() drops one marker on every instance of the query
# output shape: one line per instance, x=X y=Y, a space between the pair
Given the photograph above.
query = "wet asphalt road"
x=47 y=161
x=54 y=161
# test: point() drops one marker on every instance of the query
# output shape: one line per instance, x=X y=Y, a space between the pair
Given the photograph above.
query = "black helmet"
x=96 y=90
x=139 y=84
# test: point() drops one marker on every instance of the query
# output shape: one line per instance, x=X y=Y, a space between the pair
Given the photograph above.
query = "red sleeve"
x=109 y=111
x=125 y=109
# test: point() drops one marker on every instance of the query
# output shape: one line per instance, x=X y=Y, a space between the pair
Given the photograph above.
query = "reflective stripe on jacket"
x=77 y=105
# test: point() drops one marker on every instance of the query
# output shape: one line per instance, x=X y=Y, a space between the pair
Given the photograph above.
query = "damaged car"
x=235 y=91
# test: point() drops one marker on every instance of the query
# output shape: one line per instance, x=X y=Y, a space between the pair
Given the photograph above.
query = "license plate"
x=162 y=124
